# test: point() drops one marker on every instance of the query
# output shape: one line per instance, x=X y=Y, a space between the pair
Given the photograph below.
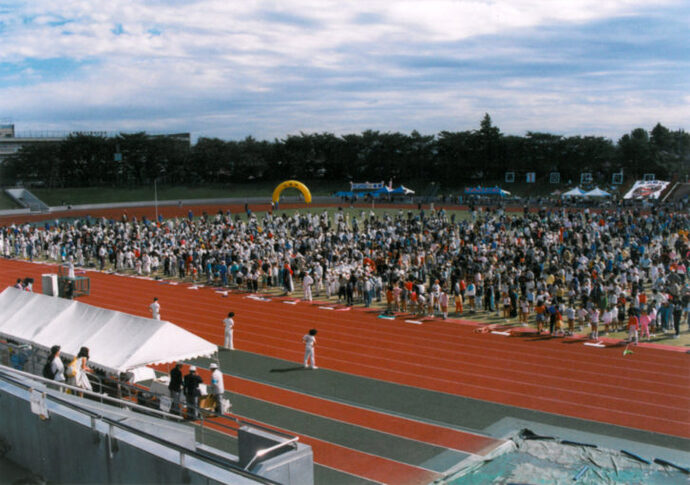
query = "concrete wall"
x=65 y=449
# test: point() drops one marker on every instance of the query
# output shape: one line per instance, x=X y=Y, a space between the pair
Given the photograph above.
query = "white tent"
x=117 y=342
x=402 y=190
x=576 y=192
x=597 y=192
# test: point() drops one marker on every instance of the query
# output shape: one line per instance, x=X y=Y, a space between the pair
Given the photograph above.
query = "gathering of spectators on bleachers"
x=565 y=269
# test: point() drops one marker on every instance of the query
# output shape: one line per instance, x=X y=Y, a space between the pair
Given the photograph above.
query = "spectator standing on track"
x=155 y=309
x=175 y=388
x=217 y=387
x=633 y=323
x=443 y=303
x=594 y=323
x=192 y=393
x=307 y=281
x=471 y=292
x=644 y=322
x=309 y=343
x=229 y=323
x=677 y=314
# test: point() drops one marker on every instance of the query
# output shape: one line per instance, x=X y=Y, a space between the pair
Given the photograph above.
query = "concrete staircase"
x=28 y=200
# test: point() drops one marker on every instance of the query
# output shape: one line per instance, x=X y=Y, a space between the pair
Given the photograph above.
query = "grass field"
x=7 y=203
x=105 y=195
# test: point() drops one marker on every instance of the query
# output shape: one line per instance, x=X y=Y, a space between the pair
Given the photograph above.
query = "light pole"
x=155 y=197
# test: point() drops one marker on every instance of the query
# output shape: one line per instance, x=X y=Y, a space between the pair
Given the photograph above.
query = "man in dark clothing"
x=192 y=392
x=175 y=387
x=677 y=314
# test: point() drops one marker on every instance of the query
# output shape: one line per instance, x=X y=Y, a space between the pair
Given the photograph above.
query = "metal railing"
x=133 y=391
x=100 y=397
x=12 y=376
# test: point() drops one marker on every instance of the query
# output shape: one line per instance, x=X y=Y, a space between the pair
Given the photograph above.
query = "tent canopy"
x=118 y=342
x=576 y=192
x=597 y=192
x=382 y=191
x=402 y=190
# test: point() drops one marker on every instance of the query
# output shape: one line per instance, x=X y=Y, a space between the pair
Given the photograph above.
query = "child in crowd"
x=644 y=322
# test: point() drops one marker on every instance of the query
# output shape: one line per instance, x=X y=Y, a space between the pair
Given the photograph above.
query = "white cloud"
x=305 y=65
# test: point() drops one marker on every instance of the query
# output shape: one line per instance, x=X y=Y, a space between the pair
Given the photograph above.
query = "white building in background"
x=10 y=143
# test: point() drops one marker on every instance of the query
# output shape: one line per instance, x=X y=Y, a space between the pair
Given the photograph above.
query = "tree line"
x=449 y=158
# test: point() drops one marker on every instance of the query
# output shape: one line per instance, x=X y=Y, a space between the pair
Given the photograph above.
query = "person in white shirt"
x=309 y=343
x=217 y=389
x=306 y=285
x=229 y=325
x=443 y=303
x=155 y=309
x=56 y=365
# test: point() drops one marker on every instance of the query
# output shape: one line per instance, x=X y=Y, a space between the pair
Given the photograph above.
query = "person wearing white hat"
x=217 y=386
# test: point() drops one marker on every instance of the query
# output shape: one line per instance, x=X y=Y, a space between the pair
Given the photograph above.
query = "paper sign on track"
x=194 y=287
x=346 y=309
x=326 y=308
x=416 y=322
x=290 y=302
x=496 y=332
x=256 y=297
x=598 y=344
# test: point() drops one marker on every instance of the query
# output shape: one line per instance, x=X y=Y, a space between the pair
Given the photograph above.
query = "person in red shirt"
x=633 y=323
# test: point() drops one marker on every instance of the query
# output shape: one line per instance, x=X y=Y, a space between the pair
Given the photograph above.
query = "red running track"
x=386 y=423
x=648 y=390
x=345 y=459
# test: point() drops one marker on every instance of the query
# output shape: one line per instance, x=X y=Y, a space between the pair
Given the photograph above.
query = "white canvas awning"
x=576 y=192
x=117 y=342
x=597 y=192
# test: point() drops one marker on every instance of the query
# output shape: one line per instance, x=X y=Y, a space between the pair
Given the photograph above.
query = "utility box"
x=49 y=284
x=292 y=464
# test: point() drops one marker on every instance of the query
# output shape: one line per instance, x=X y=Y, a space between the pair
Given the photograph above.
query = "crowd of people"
x=562 y=269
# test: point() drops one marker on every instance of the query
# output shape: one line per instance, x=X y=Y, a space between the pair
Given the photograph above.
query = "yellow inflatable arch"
x=294 y=184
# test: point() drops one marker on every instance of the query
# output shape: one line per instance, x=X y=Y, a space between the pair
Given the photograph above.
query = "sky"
x=268 y=69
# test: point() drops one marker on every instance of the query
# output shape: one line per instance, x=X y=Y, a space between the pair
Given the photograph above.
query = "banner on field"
x=646 y=189
x=367 y=185
x=484 y=191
